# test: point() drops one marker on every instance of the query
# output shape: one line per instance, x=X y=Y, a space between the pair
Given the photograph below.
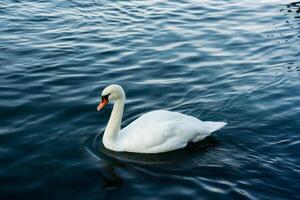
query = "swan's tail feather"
x=214 y=126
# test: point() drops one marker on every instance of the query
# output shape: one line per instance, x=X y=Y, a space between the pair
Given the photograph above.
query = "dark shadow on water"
x=177 y=162
x=295 y=6
x=111 y=180
x=95 y=146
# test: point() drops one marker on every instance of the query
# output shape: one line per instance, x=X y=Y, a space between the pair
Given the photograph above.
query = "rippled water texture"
x=237 y=61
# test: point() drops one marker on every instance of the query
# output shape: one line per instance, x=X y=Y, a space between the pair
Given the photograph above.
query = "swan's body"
x=154 y=132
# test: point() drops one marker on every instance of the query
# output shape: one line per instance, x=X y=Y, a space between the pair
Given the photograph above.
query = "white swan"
x=154 y=132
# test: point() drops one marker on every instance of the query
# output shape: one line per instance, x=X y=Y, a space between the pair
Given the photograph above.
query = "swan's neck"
x=114 y=123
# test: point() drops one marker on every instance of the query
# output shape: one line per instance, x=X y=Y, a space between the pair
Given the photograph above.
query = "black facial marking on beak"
x=105 y=97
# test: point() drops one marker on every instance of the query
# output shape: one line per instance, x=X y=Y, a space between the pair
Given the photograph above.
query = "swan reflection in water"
x=177 y=163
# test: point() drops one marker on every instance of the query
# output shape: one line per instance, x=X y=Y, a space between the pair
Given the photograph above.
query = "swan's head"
x=111 y=93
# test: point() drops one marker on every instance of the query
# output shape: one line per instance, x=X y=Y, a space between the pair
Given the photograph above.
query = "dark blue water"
x=234 y=61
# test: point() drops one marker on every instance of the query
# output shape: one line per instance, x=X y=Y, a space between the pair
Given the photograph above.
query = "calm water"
x=236 y=61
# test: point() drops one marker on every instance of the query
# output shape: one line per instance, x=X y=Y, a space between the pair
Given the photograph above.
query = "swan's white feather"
x=161 y=131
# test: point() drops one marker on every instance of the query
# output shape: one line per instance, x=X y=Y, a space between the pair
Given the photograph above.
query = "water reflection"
x=107 y=168
x=176 y=163
x=294 y=7
x=292 y=10
x=168 y=160
x=111 y=179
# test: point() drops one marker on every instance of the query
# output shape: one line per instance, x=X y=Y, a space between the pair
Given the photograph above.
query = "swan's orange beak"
x=102 y=104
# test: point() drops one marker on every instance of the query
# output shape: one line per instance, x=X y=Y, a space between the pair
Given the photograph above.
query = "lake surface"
x=233 y=61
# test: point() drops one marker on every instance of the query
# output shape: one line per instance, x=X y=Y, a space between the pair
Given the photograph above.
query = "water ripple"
x=236 y=61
